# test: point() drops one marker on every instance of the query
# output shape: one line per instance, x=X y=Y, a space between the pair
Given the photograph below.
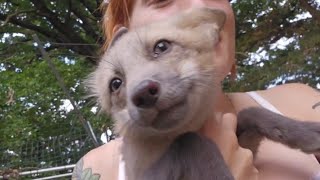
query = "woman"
x=273 y=161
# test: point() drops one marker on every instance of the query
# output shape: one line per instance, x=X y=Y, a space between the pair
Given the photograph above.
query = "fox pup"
x=158 y=83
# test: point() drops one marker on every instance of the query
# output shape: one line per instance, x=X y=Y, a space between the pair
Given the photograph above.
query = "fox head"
x=159 y=79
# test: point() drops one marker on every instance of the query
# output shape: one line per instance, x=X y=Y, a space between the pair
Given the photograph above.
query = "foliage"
x=262 y=27
x=31 y=101
x=36 y=128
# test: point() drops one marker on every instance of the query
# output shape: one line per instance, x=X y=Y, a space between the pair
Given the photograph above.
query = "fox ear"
x=117 y=35
x=198 y=16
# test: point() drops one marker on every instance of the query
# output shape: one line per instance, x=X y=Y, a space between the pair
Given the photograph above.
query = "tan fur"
x=186 y=74
x=157 y=143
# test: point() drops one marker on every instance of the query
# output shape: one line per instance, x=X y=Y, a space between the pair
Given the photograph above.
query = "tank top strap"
x=122 y=165
x=121 y=172
x=263 y=102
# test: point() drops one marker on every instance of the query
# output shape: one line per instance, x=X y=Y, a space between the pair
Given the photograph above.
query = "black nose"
x=146 y=94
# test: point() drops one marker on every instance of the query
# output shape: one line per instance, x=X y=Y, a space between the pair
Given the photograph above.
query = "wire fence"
x=53 y=156
x=34 y=156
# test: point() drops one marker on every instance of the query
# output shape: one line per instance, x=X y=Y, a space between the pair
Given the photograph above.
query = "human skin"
x=294 y=100
x=148 y=11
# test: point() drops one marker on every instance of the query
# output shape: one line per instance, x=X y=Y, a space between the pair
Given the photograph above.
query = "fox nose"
x=146 y=94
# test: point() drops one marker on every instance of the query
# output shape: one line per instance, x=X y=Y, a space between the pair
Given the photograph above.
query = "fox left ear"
x=117 y=35
x=198 y=16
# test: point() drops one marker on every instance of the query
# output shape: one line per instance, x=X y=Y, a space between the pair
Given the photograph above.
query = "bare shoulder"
x=295 y=99
x=293 y=88
x=99 y=163
x=109 y=148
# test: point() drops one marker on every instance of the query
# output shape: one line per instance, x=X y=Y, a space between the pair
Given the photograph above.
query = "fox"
x=158 y=83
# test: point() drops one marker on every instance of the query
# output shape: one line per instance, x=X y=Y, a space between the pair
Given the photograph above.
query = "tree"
x=36 y=128
x=32 y=105
x=262 y=25
x=59 y=22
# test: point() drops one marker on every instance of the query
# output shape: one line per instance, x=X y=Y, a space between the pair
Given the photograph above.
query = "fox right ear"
x=121 y=31
x=198 y=16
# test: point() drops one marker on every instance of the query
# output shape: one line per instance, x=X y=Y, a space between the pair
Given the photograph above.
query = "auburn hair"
x=116 y=12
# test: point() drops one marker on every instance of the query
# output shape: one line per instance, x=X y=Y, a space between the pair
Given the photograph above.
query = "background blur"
x=43 y=135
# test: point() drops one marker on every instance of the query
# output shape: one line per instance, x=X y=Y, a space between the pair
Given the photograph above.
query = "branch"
x=67 y=93
x=312 y=10
x=65 y=30
x=86 y=24
x=16 y=14
x=52 y=35
x=29 y=25
x=269 y=27
x=94 y=10
x=56 y=30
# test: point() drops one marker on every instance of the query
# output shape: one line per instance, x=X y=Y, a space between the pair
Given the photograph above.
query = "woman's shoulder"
x=110 y=147
x=292 y=89
x=294 y=99
x=102 y=161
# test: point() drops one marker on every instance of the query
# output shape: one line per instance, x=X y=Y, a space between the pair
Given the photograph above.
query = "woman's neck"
x=223 y=104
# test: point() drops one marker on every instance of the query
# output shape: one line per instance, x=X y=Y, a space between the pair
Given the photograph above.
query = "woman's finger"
x=229 y=121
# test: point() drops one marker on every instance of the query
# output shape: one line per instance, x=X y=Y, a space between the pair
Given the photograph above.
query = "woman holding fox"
x=273 y=161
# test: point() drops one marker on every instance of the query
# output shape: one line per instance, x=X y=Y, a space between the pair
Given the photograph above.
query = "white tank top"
x=262 y=102
x=122 y=172
x=256 y=97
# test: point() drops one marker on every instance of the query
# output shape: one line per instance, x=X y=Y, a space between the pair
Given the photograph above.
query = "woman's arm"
x=274 y=160
x=100 y=163
x=295 y=100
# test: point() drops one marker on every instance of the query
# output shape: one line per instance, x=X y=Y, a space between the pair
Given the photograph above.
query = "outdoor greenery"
x=261 y=26
x=277 y=42
x=38 y=127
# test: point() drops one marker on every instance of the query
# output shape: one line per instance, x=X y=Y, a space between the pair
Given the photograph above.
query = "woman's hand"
x=239 y=160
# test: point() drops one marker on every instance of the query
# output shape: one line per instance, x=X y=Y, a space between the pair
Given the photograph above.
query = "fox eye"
x=115 y=84
x=159 y=3
x=161 y=47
